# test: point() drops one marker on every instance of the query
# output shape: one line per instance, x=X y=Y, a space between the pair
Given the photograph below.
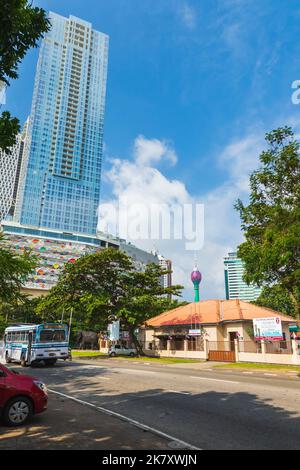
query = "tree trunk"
x=136 y=342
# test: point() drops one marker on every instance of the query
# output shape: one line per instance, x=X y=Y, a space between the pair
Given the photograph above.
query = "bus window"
x=50 y=336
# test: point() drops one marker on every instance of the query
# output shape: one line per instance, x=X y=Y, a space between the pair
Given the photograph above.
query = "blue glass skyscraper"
x=61 y=189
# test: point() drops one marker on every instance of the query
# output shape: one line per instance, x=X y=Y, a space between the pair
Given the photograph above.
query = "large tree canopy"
x=277 y=298
x=14 y=271
x=21 y=27
x=20 y=310
x=105 y=285
x=271 y=220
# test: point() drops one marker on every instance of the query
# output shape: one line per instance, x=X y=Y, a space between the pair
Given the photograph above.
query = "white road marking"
x=145 y=427
x=180 y=393
x=248 y=373
x=214 y=380
x=136 y=371
x=271 y=375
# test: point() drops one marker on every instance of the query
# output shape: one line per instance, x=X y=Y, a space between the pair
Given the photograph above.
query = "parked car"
x=119 y=350
x=21 y=396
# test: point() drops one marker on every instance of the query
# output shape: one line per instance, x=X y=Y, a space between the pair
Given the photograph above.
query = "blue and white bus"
x=30 y=344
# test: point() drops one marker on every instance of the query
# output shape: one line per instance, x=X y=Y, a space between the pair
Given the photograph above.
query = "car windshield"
x=51 y=336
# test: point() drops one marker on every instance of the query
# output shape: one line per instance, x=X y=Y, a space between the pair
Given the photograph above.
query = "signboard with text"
x=268 y=328
x=194 y=332
x=114 y=331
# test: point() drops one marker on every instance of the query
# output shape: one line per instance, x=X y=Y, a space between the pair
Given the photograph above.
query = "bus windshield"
x=51 y=336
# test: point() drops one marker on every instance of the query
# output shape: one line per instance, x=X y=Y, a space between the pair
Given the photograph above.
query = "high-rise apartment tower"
x=235 y=286
x=61 y=190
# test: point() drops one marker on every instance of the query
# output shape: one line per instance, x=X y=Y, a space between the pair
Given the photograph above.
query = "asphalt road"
x=196 y=407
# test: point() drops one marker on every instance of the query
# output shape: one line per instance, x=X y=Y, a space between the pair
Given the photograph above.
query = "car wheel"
x=17 y=411
x=113 y=354
x=131 y=354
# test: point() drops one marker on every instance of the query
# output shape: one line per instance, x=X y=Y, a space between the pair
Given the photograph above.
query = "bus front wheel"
x=50 y=362
x=7 y=359
x=23 y=362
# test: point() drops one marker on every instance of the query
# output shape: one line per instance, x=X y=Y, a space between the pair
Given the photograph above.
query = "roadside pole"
x=70 y=324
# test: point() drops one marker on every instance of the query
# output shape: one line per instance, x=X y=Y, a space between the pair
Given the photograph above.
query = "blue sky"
x=207 y=78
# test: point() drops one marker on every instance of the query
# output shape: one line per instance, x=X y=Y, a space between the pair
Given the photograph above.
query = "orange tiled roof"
x=214 y=311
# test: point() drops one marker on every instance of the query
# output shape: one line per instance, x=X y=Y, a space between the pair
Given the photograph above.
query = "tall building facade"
x=61 y=189
x=139 y=257
x=166 y=265
x=235 y=286
x=12 y=164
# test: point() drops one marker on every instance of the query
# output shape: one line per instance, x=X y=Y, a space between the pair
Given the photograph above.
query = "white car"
x=118 y=350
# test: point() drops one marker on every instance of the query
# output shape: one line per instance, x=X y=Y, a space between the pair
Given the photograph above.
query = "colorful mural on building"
x=52 y=255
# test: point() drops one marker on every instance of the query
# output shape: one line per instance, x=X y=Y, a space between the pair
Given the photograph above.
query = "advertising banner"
x=114 y=331
x=268 y=328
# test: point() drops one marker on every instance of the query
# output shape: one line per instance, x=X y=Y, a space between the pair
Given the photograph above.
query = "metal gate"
x=222 y=351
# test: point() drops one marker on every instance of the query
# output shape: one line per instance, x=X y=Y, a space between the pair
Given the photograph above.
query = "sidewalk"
x=188 y=365
x=69 y=425
x=244 y=368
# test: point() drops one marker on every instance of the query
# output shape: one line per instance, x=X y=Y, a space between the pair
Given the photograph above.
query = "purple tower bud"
x=196 y=278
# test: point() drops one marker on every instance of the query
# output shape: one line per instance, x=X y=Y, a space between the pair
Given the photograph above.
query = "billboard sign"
x=114 y=331
x=268 y=328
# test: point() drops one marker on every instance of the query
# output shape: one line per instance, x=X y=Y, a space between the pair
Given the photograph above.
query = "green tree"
x=21 y=27
x=14 y=271
x=271 y=220
x=20 y=310
x=105 y=285
x=9 y=128
x=276 y=298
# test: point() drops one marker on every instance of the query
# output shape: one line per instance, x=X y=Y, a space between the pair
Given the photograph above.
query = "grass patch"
x=88 y=354
x=258 y=366
x=161 y=360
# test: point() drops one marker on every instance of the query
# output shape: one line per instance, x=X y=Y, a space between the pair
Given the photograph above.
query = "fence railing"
x=197 y=344
x=278 y=347
x=271 y=347
x=250 y=346
x=192 y=344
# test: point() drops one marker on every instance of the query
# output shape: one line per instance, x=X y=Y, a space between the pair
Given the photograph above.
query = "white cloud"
x=148 y=151
x=138 y=180
x=188 y=16
x=240 y=157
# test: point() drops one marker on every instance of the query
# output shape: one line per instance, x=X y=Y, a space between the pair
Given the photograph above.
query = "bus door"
x=30 y=339
x=3 y=348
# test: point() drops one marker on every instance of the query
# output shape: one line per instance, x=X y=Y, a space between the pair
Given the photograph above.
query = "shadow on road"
x=209 y=420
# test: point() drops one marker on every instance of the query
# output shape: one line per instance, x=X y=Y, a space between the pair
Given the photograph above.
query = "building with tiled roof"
x=186 y=328
x=214 y=312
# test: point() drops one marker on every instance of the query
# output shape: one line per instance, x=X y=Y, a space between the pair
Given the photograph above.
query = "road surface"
x=192 y=407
